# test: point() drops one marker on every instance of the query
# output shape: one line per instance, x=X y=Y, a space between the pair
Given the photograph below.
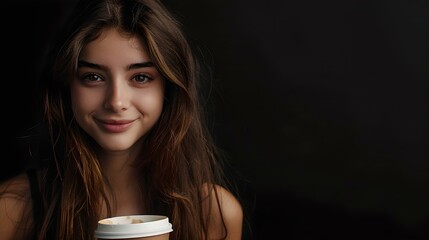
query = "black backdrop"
x=321 y=107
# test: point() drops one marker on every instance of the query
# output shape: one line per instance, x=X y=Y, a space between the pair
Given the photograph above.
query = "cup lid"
x=133 y=226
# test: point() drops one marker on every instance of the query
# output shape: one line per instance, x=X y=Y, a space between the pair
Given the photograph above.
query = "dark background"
x=321 y=107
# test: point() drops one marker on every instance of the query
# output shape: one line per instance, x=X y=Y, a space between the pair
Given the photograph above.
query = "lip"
x=115 y=126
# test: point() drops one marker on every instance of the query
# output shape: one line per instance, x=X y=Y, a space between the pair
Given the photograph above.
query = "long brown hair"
x=179 y=158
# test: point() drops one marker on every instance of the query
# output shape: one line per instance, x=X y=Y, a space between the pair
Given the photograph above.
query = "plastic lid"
x=133 y=226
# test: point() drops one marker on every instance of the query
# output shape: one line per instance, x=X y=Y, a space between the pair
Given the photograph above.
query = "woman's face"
x=117 y=94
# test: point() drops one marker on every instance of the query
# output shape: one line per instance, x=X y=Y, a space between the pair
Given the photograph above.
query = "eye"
x=91 y=77
x=142 y=78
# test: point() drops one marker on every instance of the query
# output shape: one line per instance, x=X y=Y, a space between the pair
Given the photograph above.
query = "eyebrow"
x=83 y=63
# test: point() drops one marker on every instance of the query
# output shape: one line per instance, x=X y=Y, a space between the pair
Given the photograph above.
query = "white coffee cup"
x=147 y=227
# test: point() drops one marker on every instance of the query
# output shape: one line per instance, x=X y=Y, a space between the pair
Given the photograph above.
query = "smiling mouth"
x=115 y=126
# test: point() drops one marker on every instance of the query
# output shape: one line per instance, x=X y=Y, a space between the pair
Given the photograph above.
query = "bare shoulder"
x=231 y=208
x=15 y=201
x=226 y=211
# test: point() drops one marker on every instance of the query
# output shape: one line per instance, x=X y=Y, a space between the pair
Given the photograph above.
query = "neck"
x=125 y=181
x=119 y=168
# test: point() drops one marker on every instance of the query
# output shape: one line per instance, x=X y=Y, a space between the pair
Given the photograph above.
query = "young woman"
x=126 y=133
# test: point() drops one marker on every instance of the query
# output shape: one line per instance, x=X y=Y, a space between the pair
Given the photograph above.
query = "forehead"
x=115 y=45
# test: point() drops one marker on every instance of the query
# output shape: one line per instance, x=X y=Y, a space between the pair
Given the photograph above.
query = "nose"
x=117 y=96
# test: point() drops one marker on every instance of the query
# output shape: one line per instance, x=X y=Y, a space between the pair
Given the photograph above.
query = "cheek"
x=151 y=102
x=82 y=101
